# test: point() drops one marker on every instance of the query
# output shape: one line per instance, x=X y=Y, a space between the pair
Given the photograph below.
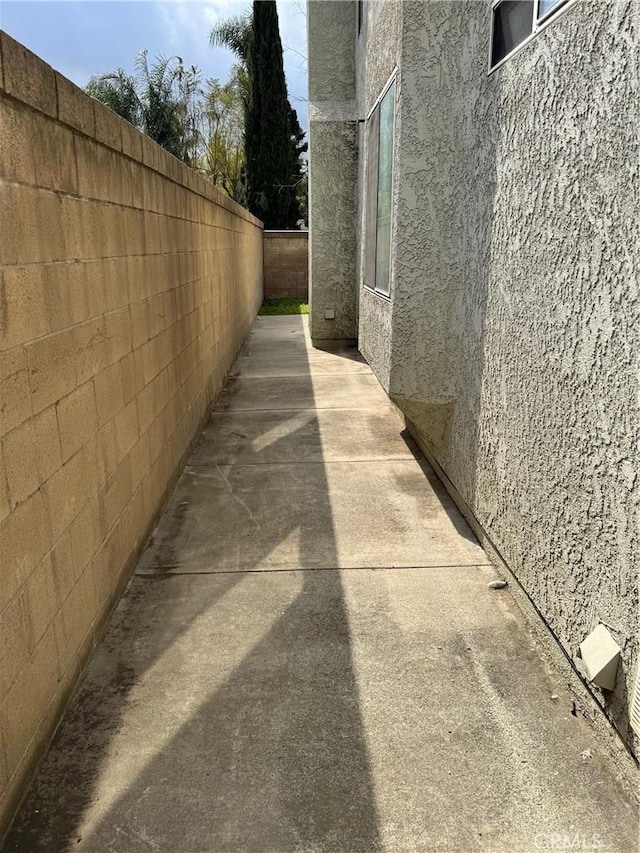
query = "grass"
x=284 y=306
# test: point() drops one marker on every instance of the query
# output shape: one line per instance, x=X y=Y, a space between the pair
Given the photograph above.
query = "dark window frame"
x=538 y=23
x=371 y=263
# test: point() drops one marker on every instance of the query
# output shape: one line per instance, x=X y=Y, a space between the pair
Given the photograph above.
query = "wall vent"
x=634 y=709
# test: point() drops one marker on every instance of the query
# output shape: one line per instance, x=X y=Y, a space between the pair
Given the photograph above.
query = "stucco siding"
x=515 y=304
x=332 y=241
x=333 y=177
x=378 y=57
x=510 y=337
x=331 y=29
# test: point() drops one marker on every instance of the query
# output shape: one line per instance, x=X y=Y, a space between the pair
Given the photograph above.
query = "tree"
x=222 y=118
x=302 y=194
x=203 y=126
x=301 y=177
x=117 y=91
x=234 y=33
x=160 y=99
x=272 y=133
x=168 y=95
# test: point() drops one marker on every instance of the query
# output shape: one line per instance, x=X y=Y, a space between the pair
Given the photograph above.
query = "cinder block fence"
x=286 y=265
x=127 y=284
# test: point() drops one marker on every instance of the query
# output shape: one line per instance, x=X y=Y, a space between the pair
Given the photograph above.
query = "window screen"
x=380 y=134
x=545 y=6
x=515 y=20
x=512 y=24
x=385 y=186
x=373 y=133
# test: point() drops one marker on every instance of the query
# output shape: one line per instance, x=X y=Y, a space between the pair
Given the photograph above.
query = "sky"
x=81 y=38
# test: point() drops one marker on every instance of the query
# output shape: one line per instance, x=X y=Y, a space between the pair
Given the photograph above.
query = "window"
x=545 y=6
x=380 y=133
x=514 y=21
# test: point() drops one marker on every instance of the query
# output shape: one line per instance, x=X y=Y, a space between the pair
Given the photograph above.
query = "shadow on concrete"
x=220 y=713
x=452 y=511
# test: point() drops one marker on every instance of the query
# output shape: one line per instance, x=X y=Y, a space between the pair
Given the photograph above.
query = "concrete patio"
x=309 y=660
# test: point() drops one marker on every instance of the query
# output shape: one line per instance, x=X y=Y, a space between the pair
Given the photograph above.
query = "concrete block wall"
x=127 y=284
x=286 y=264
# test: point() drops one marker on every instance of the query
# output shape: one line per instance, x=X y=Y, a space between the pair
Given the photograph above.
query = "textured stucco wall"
x=515 y=306
x=127 y=284
x=332 y=229
x=331 y=29
x=378 y=52
x=333 y=163
x=510 y=339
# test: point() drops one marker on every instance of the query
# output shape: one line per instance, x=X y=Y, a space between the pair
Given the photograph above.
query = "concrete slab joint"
x=310 y=656
x=126 y=290
x=507 y=340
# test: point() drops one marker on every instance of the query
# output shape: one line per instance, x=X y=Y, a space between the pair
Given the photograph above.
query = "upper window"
x=545 y=6
x=380 y=133
x=514 y=21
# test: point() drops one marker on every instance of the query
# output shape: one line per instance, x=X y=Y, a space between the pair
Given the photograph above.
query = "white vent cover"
x=634 y=708
x=600 y=656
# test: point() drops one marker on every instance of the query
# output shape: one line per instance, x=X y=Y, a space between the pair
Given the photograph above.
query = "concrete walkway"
x=308 y=659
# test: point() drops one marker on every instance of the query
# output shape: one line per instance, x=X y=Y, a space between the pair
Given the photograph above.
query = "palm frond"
x=234 y=33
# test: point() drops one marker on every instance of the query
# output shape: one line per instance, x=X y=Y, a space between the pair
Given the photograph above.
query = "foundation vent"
x=634 y=710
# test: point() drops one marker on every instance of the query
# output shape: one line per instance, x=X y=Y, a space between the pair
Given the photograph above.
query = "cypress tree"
x=272 y=133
